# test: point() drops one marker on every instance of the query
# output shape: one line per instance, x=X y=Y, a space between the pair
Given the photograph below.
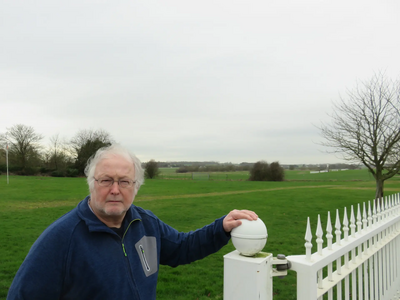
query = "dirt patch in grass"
x=36 y=205
x=151 y=198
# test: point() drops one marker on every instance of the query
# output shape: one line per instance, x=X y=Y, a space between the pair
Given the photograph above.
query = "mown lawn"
x=29 y=204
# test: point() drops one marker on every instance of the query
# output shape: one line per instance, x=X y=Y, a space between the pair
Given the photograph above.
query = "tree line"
x=260 y=171
x=227 y=167
x=27 y=155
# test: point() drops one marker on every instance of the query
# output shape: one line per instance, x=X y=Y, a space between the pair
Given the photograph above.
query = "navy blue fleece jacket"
x=79 y=257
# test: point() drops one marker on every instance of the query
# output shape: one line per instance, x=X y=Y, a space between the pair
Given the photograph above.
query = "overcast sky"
x=227 y=81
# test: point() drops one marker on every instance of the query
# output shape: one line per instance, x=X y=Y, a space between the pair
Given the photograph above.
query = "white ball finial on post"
x=250 y=237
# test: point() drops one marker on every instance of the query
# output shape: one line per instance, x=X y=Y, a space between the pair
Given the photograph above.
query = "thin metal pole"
x=7 y=158
x=8 y=181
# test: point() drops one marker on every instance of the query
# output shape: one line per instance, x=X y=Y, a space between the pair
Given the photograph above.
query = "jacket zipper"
x=123 y=245
x=127 y=260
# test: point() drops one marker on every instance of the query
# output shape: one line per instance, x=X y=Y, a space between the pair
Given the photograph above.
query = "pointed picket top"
x=337 y=226
x=359 y=223
x=369 y=214
x=391 y=203
x=386 y=208
x=394 y=204
x=345 y=225
x=352 y=222
x=329 y=235
x=308 y=239
x=364 y=217
x=374 y=213
x=319 y=234
x=378 y=209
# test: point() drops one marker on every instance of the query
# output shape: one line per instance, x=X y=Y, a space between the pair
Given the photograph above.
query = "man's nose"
x=115 y=188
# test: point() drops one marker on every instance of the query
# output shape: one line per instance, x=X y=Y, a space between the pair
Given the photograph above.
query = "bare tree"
x=57 y=155
x=85 y=143
x=366 y=128
x=23 y=143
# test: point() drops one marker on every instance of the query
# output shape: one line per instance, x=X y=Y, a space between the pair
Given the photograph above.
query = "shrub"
x=182 y=169
x=43 y=170
x=72 y=173
x=151 y=169
x=57 y=174
x=28 y=171
x=276 y=173
x=262 y=171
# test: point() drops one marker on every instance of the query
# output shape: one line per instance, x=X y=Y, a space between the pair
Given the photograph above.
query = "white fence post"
x=247 y=278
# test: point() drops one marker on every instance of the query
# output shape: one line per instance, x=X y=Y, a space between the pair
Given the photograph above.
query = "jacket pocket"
x=147 y=252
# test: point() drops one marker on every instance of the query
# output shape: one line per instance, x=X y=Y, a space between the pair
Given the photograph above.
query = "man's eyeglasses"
x=107 y=182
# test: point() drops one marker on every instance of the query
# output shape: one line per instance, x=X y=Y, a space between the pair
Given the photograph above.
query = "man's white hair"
x=112 y=151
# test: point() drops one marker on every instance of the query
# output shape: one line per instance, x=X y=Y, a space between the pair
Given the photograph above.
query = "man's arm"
x=41 y=274
x=182 y=248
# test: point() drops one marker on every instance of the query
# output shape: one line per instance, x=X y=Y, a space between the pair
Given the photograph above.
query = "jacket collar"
x=94 y=224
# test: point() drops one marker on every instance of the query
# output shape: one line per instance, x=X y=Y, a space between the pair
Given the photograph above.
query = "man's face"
x=111 y=203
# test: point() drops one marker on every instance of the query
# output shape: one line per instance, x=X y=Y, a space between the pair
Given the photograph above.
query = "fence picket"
x=308 y=239
x=339 y=290
x=369 y=214
x=329 y=235
x=345 y=225
x=337 y=227
x=319 y=234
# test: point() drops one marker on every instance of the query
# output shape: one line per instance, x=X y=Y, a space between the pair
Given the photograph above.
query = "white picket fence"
x=364 y=261
x=361 y=260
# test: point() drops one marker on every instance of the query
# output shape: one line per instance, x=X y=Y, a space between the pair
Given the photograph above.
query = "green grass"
x=29 y=204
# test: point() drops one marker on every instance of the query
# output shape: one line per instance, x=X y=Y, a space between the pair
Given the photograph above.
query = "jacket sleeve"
x=41 y=274
x=179 y=248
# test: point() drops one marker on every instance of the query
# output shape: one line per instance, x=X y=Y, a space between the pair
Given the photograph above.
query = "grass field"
x=29 y=204
x=363 y=175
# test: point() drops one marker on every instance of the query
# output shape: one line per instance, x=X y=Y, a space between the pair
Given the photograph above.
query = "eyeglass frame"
x=131 y=182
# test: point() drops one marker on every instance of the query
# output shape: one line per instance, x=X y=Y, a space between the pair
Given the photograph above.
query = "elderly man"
x=107 y=248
